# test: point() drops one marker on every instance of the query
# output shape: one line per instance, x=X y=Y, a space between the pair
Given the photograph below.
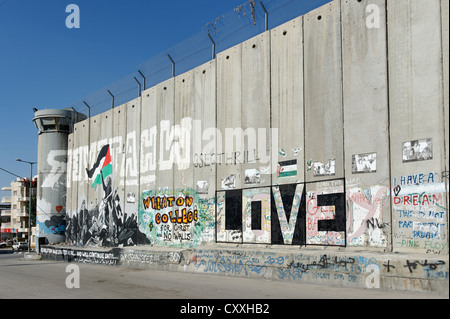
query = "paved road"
x=20 y=278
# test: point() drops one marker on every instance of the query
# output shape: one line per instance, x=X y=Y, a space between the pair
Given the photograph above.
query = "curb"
x=32 y=256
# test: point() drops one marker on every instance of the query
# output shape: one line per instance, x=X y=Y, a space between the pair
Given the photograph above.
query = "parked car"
x=20 y=245
x=5 y=243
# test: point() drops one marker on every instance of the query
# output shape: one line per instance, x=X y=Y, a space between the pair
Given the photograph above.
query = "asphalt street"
x=20 y=278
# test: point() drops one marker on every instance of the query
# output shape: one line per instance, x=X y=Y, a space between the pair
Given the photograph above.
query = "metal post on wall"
x=173 y=65
x=266 y=14
x=139 y=83
x=89 y=109
x=139 y=71
x=112 y=98
x=213 y=47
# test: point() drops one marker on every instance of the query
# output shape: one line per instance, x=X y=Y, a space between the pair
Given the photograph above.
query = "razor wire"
x=236 y=26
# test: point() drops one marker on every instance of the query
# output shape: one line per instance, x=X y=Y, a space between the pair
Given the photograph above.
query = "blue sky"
x=44 y=64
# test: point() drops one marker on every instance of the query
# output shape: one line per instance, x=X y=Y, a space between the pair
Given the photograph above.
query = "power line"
x=10 y=173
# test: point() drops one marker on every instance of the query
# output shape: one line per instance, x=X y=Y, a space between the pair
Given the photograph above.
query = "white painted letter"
x=373 y=280
x=373 y=20
x=73 y=19
x=73 y=280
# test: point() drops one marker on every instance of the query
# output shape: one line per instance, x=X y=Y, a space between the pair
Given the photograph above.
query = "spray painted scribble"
x=366 y=225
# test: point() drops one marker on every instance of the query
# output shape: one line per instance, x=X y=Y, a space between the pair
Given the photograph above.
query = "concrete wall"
x=313 y=133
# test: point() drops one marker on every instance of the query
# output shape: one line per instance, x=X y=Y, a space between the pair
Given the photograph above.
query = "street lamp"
x=29 y=209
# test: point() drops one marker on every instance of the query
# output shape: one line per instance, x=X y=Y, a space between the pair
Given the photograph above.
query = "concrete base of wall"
x=342 y=267
x=32 y=256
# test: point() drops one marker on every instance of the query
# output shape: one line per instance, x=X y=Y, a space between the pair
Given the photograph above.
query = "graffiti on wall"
x=282 y=214
x=313 y=213
x=419 y=213
x=105 y=223
x=366 y=225
x=176 y=218
x=325 y=213
x=343 y=269
x=51 y=219
x=82 y=256
x=304 y=214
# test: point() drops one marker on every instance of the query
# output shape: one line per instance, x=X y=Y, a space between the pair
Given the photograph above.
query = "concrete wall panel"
x=255 y=81
x=72 y=186
x=287 y=100
x=99 y=230
x=366 y=125
x=95 y=136
x=118 y=150
x=185 y=90
x=149 y=141
x=82 y=145
x=160 y=103
x=148 y=162
x=164 y=111
x=416 y=121
x=229 y=117
x=132 y=156
x=323 y=93
x=326 y=213
x=446 y=72
x=70 y=209
x=72 y=173
x=204 y=133
x=230 y=174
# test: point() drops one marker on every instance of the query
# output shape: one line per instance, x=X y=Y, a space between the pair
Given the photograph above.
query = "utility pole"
x=29 y=194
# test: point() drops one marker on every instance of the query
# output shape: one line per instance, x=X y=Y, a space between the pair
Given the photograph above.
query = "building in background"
x=5 y=218
x=14 y=216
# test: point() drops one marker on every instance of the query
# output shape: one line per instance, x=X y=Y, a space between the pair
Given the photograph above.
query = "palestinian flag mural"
x=287 y=169
x=102 y=166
